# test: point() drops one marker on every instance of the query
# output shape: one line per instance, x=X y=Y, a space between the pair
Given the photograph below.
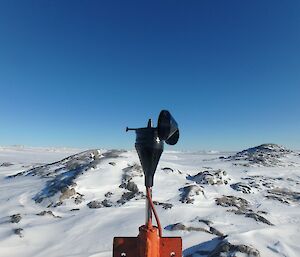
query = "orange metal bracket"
x=149 y=242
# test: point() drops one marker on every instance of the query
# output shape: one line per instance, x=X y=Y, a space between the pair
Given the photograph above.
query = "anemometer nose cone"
x=167 y=128
x=149 y=148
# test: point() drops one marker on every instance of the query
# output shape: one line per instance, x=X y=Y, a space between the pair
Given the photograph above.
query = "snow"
x=76 y=230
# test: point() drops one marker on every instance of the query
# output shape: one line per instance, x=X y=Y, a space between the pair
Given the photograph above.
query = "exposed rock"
x=6 y=164
x=107 y=203
x=283 y=195
x=15 y=218
x=62 y=174
x=79 y=198
x=43 y=213
x=207 y=222
x=251 y=214
x=95 y=205
x=215 y=232
x=226 y=249
x=127 y=196
x=18 y=231
x=180 y=226
x=108 y=194
x=75 y=209
x=130 y=186
x=263 y=155
x=188 y=192
x=257 y=217
x=165 y=206
x=229 y=200
x=277 y=198
x=131 y=171
x=66 y=193
x=167 y=170
x=210 y=177
x=243 y=208
x=112 y=163
x=242 y=187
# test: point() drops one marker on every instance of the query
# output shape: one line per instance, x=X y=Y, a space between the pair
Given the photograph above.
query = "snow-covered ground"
x=54 y=202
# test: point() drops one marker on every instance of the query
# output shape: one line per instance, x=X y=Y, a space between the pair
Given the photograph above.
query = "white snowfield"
x=221 y=204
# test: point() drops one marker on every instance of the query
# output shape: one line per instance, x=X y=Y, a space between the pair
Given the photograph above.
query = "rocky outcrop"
x=233 y=201
x=268 y=155
x=18 y=232
x=165 y=206
x=15 y=218
x=207 y=229
x=47 y=213
x=226 y=249
x=210 y=177
x=61 y=175
x=242 y=208
x=242 y=187
x=283 y=195
x=6 y=164
x=95 y=205
x=189 y=192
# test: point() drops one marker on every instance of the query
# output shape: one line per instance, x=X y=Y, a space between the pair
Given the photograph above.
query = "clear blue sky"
x=76 y=73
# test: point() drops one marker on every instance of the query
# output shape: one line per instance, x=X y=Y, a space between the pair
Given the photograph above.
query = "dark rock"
x=112 y=163
x=226 y=249
x=107 y=203
x=79 y=198
x=131 y=171
x=188 y=193
x=94 y=205
x=6 y=164
x=15 y=218
x=165 y=206
x=130 y=186
x=43 y=213
x=167 y=170
x=210 y=177
x=66 y=193
x=215 y=232
x=62 y=174
x=251 y=214
x=108 y=194
x=75 y=209
x=180 y=226
x=18 y=231
x=127 y=196
x=207 y=222
x=242 y=187
x=263 y=155
x=283 y=195
x=277 y=198
x=257 y=217
x=227 y=201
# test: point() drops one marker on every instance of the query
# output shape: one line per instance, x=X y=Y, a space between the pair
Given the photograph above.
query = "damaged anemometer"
x=150 y=142
x=150 y=145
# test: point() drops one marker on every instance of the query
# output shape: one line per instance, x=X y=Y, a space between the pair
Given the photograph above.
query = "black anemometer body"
x=150 y=143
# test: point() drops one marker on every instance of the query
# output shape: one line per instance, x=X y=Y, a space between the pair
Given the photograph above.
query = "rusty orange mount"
x=149 y=242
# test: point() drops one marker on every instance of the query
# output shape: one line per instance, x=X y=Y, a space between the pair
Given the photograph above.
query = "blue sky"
x=76 y=73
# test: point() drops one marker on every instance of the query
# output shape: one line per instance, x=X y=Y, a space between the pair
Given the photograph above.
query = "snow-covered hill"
x=58 y=202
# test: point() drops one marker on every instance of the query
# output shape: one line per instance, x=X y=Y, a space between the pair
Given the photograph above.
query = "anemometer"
x=149 y=146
